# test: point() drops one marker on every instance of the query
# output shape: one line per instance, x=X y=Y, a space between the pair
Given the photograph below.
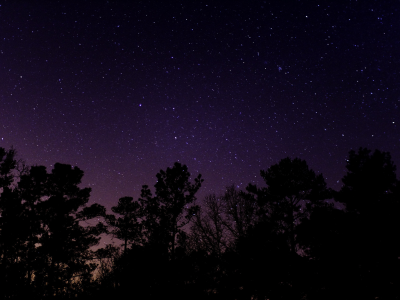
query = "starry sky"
x=123 y=90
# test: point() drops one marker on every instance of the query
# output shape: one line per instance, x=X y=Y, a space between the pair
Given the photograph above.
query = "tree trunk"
x=173 y=242
x=291 y=231
x=126 y=241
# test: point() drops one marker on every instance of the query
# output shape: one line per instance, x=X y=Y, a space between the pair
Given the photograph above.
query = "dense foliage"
x=285 y=240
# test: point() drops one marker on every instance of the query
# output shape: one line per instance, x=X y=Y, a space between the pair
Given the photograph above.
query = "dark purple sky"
x=124 y=90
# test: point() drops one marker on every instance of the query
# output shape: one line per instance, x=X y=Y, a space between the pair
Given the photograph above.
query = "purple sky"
x=124 y=90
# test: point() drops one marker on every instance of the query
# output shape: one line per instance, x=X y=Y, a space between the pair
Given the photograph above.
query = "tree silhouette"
x=154 y=225
x=12 y=231
x=329 y=246
x=240 y=245
x=154 y=232
x=222 y=220
x=370 y=181
x=172 y=204
x=107 y=273
x=259 y=266
x=8 y=164
x=240 y=211
x=32 y=190
x=44 y=245
x=292 y=190
x=65 y=244
x=12 y=236
x=353 y=253
x=208 y=232
x=127 y=227
x=370 y=193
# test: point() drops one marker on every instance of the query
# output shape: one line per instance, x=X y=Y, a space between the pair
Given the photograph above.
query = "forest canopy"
x=283 y=240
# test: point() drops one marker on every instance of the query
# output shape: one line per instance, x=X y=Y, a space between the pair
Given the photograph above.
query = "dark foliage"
x=292 y=191
x=283 y=241
x=127 y=227
x=44 y=250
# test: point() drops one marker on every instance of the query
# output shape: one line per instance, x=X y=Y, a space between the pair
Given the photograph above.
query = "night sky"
x=124 y=90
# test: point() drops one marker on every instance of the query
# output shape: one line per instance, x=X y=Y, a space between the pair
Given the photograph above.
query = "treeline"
x=282 y=241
